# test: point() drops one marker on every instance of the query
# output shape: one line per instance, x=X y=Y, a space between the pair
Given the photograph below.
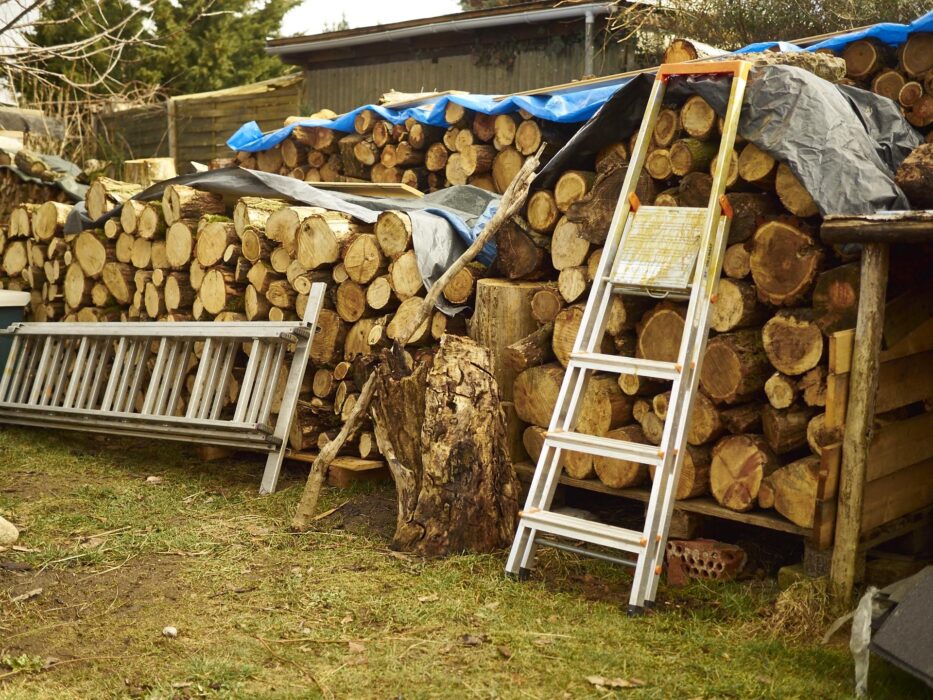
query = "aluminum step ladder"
x=129 y=378
x=661 y=252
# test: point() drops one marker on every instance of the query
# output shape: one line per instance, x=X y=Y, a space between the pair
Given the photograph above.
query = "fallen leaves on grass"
x=433 y=598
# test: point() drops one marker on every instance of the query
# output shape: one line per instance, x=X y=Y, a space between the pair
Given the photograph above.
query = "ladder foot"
x=636 y=610
x=522 y=575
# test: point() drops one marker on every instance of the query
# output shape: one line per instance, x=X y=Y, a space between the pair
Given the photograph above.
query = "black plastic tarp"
x=843 y=143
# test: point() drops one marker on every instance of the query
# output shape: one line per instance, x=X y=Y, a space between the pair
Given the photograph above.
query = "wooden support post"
x=863 y=384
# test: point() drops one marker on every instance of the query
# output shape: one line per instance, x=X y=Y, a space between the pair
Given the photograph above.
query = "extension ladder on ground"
x=129 y=379
x=669 y=252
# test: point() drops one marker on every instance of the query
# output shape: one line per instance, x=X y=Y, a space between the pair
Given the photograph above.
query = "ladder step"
x=584 y=530
x=605 y=447
x=626 y=365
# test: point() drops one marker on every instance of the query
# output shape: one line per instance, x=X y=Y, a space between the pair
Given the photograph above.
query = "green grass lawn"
x=263 y=612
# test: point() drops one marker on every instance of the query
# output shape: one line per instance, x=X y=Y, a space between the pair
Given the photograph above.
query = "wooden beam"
x=860 y=414
x=884 y=227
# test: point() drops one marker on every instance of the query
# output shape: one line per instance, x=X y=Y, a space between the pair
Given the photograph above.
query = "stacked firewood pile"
x=15 y=191
x=905 y=75
x=191 y=257
x=757 y=429
x=476 y=149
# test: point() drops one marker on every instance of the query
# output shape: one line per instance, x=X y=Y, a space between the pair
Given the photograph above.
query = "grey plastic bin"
x=12 y=305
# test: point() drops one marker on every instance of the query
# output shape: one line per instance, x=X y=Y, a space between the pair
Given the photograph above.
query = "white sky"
x=311 y=16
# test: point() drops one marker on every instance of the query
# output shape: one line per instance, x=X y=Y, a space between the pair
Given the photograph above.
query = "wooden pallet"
x=700 y=506
x=346 y=471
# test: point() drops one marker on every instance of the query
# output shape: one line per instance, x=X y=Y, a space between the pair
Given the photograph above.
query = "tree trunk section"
x=739 y=465
x=793 y=341
x=442 y=432
x=785 y=260
x=735 y=367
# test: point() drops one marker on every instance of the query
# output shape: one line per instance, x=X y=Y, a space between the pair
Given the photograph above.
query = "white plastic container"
x=12 y=305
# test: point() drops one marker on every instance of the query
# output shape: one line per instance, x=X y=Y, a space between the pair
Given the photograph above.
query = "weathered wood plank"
x=897 y=494
x=899 y=445
x=883 y=227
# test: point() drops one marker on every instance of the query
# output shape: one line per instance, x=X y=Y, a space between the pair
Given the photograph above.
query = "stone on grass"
x=8 y=533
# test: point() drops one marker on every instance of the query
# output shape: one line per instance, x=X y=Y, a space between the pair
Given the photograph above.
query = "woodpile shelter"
x=780 y=437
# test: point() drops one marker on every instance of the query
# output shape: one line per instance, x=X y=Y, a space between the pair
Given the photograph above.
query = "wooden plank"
x=901 y=382
x=702 y=506
x=897 y=494
x=904 y=314
x=824 y=520
x=841 y=345
x=883 y=227
x=865 y=384
x=371 y=189
x=899 y=445
x=355 y=464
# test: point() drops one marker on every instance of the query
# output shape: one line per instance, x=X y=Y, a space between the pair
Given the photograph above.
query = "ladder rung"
x=584 y=530
x=605 y=447
x=626 y=365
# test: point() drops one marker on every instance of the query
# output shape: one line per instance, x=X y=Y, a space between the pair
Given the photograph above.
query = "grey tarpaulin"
x=438 y=220
x=844 y=143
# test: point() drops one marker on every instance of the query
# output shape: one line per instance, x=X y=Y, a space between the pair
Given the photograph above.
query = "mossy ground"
x=263 y=612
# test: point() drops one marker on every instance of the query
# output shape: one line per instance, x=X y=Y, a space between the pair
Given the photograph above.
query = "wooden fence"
x=196 y=127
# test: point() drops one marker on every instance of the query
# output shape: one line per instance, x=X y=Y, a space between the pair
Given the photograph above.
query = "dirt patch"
x=84 y=613
x=372 y=514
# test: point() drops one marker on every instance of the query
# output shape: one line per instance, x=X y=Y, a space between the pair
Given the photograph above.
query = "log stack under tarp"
x=761 y=421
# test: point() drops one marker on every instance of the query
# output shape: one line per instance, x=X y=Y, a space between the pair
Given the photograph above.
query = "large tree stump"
x=443 y=434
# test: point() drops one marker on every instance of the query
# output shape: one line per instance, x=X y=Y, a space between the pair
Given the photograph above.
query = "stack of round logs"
x=756 y=432
x=191 y=257
x=905 y=74
x=476 y=149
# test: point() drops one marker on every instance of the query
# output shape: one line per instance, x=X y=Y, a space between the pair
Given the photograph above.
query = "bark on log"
x=521 y=254
x=785 y=429
x=792 y=490
x=502 y=316
x=622 y=473
x=532 y=350
x=835 y=298
x=793 y=341
x=443 y=435
x=740 y=463
x=735 y=367
x=915 y=176
x=694 y=473
x=183 y=202
x=785 y=260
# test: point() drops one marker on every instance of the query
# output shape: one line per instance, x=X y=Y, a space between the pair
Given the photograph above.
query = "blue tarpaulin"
x=567 y=108
x=570 y=108
x=886 y=32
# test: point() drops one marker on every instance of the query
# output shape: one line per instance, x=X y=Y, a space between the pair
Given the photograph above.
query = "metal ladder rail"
x=705 y=288
x=544 y=482
x=590 y=334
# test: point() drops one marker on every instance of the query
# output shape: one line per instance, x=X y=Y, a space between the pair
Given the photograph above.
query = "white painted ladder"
x=671 y=252
x=128 y=379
